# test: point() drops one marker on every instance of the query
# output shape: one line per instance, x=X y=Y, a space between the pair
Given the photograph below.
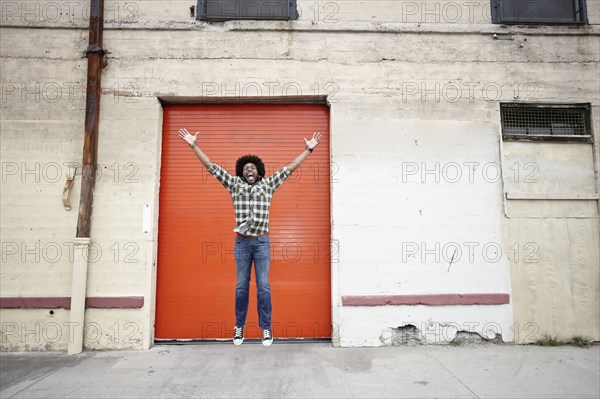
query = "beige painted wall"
x=553 y=239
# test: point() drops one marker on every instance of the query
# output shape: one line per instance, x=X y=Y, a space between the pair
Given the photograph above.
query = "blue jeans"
x=257 y=250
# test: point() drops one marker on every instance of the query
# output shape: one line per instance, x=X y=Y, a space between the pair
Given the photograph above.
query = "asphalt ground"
x=306 y=370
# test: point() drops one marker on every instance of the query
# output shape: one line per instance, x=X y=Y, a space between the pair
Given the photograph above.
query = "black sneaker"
x=267 y=338
x=238 y=335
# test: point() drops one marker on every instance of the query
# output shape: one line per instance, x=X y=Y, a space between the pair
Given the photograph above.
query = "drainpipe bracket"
x=83 y=241
x=96 y=49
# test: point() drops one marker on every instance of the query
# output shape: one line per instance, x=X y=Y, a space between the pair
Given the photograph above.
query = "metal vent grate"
x=544 y=120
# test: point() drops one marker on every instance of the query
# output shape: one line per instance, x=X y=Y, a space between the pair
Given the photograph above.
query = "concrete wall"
x=553 y=233
x=442 y=13
x=430 y=223
x=414 y=100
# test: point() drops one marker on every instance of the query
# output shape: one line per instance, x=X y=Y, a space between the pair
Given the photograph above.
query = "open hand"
x=187 y=137
x=316 y=139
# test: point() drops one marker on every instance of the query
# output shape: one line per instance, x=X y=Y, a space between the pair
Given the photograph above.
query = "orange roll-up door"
x=196 y=267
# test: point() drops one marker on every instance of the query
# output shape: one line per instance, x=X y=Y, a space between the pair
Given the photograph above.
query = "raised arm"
x=191 y=141
x=310 y=145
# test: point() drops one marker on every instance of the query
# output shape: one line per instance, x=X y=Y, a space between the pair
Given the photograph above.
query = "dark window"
x=225 y=10
x=546 y=122
x=538 y=12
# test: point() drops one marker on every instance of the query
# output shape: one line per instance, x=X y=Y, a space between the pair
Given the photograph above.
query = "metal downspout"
x=95 y=56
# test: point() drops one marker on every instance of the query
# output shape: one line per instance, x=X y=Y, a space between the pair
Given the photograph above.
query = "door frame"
x=152 y=248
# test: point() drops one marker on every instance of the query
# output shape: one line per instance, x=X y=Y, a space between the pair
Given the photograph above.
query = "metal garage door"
x=196 y=267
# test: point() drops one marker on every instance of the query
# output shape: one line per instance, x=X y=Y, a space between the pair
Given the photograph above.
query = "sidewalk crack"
x=452 y=374
x=44 y=377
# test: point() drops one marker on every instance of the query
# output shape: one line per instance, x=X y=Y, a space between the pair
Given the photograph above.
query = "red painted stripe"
x=117 y=302
x=426 y=299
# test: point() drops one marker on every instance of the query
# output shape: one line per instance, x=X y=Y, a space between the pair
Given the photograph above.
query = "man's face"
x=250 y=173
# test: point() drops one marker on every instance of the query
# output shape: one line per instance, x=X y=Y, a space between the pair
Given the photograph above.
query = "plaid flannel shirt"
x=251 y=202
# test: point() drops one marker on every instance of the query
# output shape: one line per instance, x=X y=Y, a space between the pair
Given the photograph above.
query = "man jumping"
x=251 y=193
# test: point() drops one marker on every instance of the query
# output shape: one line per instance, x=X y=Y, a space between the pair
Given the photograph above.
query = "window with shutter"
x=226 y=10
x=539 y=12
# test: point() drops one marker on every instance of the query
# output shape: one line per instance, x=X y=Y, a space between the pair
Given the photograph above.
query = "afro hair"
x=239 y=165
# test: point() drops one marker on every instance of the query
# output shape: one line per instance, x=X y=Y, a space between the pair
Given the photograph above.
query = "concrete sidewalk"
x=302 y=370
